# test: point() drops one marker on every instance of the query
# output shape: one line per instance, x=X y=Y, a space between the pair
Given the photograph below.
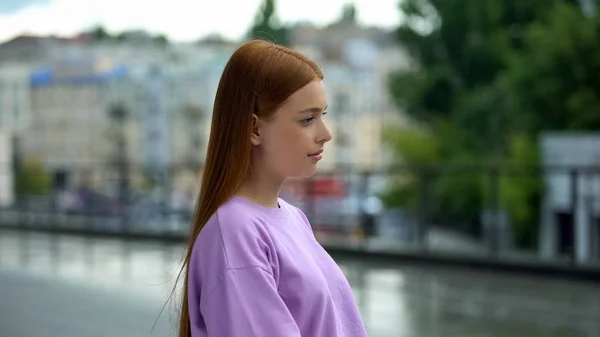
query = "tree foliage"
x=266 y=25
x=489 y=77
x=31 y=179
x=478 y=63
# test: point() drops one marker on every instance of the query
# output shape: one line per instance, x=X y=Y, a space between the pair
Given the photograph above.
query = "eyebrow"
x=313 y=110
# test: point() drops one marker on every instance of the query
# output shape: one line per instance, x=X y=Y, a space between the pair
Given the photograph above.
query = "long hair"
x=257 y=79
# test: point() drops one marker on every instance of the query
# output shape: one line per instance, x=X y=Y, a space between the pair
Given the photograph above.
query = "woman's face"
x=290 y=144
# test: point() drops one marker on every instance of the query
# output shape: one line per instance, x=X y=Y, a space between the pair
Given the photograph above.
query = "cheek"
x=284 y=143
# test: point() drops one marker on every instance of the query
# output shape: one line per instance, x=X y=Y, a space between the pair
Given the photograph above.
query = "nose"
x=324 y=134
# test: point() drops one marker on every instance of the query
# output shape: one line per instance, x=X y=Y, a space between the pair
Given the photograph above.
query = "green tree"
x=267 y=26
x=488 y=77
x=521 y=190
x=32 y=179
x=98 y=33
x=161 y=39
x=461 y=48
x=419 y=148
x=349 y=13
x=454 y=196
x=552 y=84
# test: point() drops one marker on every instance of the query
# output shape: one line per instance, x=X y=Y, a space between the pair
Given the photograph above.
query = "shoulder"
x=297 y=214
x=234 y=237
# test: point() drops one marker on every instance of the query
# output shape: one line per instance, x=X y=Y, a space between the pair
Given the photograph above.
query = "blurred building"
x=7 y=196
x=194 y=90
x=61 y=109
x=571 y=203
x=69 y=89
x=73 y=126
x=34 y=50
x=15 y=100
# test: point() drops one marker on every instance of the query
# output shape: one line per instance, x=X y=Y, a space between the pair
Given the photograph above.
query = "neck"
x=261 y=189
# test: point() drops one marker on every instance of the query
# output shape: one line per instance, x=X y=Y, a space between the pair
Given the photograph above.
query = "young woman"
x=253 y=267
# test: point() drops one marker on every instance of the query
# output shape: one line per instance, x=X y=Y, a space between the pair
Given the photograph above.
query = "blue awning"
x=45 y=76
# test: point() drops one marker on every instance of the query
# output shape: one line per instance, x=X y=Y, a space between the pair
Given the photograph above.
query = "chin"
x=308 y=173
x=311 y=172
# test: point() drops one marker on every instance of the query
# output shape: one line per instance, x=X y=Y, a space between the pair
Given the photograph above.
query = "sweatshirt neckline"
x=280 y=212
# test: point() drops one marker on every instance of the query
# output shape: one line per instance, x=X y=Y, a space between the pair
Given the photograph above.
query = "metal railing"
x=535 y=214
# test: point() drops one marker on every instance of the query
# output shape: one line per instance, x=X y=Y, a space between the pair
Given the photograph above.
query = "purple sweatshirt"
x=257 y=271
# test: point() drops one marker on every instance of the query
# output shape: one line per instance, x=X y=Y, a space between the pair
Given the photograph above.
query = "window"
x=343 y=139
x=341 y=103
x=15 y=111
x=154 y=135
x=196 y=141
x=1 y=102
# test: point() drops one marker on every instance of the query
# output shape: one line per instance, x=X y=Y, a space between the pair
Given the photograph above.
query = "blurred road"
x=63 y=286
x=37 y=306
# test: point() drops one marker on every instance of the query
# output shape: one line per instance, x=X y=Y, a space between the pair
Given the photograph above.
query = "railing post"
x=423 y=207
x=494 y=224
x=574 y=174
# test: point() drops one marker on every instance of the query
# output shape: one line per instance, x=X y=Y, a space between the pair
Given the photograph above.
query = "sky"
x=180 y=20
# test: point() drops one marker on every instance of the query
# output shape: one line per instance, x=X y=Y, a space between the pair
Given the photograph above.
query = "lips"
x=315 y=153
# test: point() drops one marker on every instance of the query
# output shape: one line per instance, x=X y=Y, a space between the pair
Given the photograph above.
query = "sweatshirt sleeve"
x=246 y=304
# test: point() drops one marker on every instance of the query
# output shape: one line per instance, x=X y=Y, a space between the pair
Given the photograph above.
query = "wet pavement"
x=53 y=285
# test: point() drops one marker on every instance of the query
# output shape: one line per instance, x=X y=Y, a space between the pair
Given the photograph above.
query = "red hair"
x=257 y=79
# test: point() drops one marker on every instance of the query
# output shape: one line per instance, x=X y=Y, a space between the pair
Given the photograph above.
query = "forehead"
x=312 y=95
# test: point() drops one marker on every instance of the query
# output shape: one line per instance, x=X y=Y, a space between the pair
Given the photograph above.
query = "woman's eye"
x=307 y=121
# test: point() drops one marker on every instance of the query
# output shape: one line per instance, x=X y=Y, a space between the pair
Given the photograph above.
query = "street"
x=53 y=285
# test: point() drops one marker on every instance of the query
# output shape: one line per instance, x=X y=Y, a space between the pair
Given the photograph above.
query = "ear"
x=255 y=134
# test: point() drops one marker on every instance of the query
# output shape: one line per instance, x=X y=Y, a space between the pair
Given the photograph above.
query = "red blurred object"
x=329 y=187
